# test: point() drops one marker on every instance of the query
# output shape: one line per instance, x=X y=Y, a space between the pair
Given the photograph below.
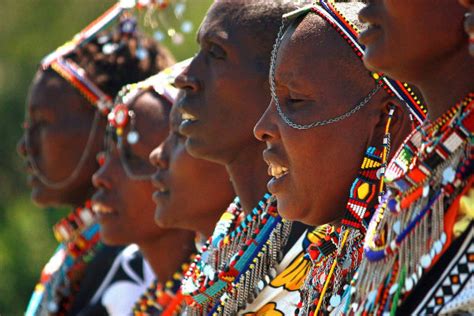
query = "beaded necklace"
x=60 y=279
x=164 y=300
x=337 y=254
x=236 y=260
x=413 y=226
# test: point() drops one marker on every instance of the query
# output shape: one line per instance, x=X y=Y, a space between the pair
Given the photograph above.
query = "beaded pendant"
x=413 y=226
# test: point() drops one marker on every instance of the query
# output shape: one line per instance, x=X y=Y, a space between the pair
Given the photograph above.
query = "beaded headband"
x=71 y=72
x=326 y=10
x=121 y=114
x=74 y=74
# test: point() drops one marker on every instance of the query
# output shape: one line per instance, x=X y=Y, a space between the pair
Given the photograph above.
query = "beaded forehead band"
x=76 y=76
x=122 y=114
x=326 y=10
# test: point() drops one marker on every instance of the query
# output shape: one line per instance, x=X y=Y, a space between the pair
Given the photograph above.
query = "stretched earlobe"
x=393 y=126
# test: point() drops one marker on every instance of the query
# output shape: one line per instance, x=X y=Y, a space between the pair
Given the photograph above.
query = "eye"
x=295 y=104
x=216 y=51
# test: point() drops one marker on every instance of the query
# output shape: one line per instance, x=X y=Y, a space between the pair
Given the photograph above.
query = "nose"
x=186 y=81
x=266 y=129
x=21 y=147
x=101 y=178
x=159 y=157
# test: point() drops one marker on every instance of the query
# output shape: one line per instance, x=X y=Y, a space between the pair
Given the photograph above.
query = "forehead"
x=313 y=51
x=49 y=91
x=220 y=24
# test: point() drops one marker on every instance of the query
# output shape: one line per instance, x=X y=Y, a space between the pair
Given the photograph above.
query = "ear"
x=400 y=125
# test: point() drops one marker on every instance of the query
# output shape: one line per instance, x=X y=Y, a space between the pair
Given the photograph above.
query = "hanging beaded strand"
x=426 y=177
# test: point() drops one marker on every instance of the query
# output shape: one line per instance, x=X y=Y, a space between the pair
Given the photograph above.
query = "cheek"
x=182 y=171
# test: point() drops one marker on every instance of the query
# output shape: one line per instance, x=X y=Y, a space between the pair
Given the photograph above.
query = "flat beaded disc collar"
x=123 y=115
x=328 y=12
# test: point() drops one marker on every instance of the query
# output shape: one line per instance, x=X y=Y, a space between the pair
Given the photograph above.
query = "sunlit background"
x=29 y=29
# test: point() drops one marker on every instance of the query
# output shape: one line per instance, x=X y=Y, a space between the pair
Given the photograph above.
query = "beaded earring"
x=336 y=257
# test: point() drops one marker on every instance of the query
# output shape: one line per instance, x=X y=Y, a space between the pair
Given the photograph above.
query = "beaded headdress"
x=335 y=262
x=73 y=73
x=122 y=115
x=59 y=62
x=327 y=10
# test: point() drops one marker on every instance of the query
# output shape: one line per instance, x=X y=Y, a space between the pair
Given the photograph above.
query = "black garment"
x=430 y=279
x=102 y=273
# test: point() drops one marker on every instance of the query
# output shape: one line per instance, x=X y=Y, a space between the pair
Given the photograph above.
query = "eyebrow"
x=211 y=34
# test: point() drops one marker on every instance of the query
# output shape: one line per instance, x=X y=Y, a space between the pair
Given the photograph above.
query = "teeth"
x=189 y=117
x=277 y=171
x=100 y=208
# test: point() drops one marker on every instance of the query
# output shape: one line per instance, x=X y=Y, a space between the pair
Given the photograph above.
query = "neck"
x=166 y=253
x=448 y=83
x=205 y=226
x=248 y=173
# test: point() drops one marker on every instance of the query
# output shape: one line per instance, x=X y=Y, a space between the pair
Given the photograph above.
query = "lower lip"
x=186 y=126
x=106 y=216
x=277 y=185
x=159 y=196
x=370 y=35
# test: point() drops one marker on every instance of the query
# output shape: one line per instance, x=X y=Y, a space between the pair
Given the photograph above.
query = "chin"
x=287 y=210
x=162 y=221
x=43 y=198
x=199 y=149
x=112 y=239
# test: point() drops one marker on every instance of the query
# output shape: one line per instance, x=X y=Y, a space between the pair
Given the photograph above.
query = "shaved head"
x=258 y=19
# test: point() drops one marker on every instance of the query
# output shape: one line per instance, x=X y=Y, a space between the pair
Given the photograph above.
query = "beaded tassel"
x=413 y=226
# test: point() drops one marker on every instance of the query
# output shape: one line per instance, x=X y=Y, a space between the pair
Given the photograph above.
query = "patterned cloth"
x=281 y=295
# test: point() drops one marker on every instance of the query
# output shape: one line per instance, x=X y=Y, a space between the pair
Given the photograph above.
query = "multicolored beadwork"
x=164 y=299
x=336 y=257
x=242 y=251
x=78 y=234
x=414 y=224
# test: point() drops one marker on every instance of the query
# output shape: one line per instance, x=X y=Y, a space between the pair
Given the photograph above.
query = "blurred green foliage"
x=29 y=29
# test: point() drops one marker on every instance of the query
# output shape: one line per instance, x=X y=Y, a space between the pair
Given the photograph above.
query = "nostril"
x=186 y=82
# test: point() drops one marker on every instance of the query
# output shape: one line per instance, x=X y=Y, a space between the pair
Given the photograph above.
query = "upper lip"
x=99 y=205
x=159 y=183
x=276 y=166
x=368 y=15
x=183 y=106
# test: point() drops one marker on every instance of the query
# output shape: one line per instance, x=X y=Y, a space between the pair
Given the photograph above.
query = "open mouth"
x=102 y=209
x=185 y=116
x=277 y=171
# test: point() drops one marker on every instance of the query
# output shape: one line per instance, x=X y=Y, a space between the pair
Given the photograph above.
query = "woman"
x=420 y=243
x=123 y=203
x=68 y=100
x=183 y=184
x=328 y=132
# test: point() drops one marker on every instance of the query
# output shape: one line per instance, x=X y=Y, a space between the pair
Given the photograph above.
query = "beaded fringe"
x=400 y=273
